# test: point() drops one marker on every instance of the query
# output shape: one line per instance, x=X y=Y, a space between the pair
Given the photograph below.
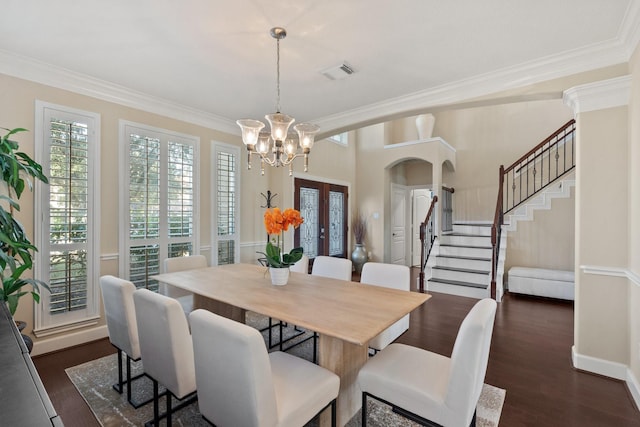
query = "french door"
x=324 y=209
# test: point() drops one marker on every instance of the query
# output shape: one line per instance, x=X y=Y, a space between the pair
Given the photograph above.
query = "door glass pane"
x=336 y=223
x=309 y=207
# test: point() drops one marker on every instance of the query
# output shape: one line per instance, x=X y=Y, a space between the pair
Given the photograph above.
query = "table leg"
x=221 y=308
x=345 y=359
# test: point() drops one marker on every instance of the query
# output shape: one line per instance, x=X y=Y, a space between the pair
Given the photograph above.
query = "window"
x=67 y=146
x=159 y=204
x=225 y=200
x=341 y=138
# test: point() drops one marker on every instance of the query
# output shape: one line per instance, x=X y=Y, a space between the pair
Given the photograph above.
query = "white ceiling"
x=211 y=61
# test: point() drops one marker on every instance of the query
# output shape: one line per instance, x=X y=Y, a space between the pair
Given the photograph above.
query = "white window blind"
x=67 y=146
x=159 y=200
x=226 y=207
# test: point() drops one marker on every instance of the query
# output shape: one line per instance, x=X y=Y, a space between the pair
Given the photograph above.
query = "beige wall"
x=602 y=324
x=634 y=215
x=547 y=241
x=490 y=136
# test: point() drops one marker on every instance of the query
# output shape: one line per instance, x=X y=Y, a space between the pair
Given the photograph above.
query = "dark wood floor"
x=530 y=358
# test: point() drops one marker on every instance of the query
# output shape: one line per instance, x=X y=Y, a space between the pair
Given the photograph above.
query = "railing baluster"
x=426 y=243
x=563 y=135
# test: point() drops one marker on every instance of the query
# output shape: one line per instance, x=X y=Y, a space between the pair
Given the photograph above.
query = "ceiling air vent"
x=338 y=72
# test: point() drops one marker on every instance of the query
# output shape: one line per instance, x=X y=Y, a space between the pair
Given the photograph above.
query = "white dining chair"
x=182 y=263
x=428 y=387
x=302 y=266
x=241 y=384
x=393 y=276
x=332 y=267
x=117 y=297
x=166 y=348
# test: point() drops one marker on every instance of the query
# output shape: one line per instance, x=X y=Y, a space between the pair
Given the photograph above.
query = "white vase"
x=424 y=125
x=279 y=276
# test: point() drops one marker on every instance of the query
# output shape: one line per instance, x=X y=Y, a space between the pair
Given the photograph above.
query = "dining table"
x=345 y=314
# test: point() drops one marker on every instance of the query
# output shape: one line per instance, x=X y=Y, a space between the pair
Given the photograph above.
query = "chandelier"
x=278 y=147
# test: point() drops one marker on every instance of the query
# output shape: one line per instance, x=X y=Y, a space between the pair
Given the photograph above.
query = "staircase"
x=463 y=264
x=470 y=259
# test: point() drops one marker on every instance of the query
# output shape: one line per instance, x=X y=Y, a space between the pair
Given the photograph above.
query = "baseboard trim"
x=634 y=387
x=607 y=368
x=52 y=344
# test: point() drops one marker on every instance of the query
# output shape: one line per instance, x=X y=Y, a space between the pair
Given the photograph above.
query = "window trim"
x=43 y=326
x=123 y=197
x=215 y=148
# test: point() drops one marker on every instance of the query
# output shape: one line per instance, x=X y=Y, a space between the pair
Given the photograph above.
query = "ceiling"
x=211 y=62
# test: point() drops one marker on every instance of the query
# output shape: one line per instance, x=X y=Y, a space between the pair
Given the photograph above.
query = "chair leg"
x=315 y=347
x=169 y=412
x=334 y=414
x=129 y=379
x=118 y=387
x=364 y=409
x=156 y=404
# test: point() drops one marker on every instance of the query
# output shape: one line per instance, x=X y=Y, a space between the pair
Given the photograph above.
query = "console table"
x=23 y=400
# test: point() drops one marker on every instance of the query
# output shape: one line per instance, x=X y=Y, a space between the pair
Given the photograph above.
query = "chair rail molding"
x=612 y=272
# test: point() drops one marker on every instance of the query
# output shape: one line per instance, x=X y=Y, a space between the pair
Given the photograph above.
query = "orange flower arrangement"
x=276 y=222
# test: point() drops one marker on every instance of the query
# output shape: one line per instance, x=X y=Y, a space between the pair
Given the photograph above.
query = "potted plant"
x=15 y=247
x=276 y=223
x=359 y=227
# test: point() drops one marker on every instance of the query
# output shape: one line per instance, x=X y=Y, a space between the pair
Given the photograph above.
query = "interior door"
x=324 y=209
x=420 y=202
x=398 y=224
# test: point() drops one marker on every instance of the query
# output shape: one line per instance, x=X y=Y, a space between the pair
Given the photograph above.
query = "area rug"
x=94 y=381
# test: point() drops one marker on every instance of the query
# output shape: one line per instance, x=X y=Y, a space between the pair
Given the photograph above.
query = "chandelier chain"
x=278 y=75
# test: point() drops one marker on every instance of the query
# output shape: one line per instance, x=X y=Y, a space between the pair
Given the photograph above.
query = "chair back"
x=117 y=297
x=469 y=358
x=332 y=267
x=181 y=263
x=165 y=341
x=302 y=266
x=234 y=379
x=393 y=276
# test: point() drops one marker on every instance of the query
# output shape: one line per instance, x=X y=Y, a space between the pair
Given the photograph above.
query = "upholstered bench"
x=542 y=282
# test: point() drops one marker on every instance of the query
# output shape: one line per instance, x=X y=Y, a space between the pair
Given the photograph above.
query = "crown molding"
x=46 y=74
x=598 y=95
x=552 y=67
x=611 y=52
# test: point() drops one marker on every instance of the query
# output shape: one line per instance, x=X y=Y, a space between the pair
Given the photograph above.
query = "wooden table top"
x=350 y=311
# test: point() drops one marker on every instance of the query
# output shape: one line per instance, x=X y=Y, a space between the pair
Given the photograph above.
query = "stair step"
x=475 y=228
x=468 y=258
x=462 y=270
x=465 y=234
x=465 y=251
x=459 y=283
x=461 y=275
x=464 y=246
